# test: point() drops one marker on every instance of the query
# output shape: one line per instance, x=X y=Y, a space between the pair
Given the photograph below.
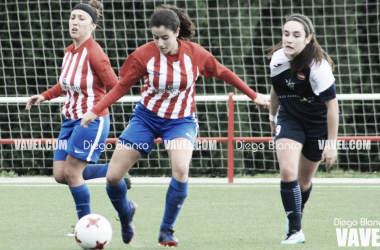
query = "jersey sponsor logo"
x=300 y=76
x=156 y=74
x=308 y=99
x=170 y=90
x=66 y=86
x=290 y=83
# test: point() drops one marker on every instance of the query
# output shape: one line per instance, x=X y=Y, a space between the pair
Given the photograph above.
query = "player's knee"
x=288 y=173
x=304 y=184
x=59 y=178
x=181 y=172
x=70 y=176
x=113 y=179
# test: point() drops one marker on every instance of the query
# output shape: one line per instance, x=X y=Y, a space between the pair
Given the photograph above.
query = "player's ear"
x=308 y=39
x=177 y=33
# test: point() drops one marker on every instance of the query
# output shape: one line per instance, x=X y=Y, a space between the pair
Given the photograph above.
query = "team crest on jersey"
x=290 y=83
x=190 y=76
x=79 y=69
x=300 y=76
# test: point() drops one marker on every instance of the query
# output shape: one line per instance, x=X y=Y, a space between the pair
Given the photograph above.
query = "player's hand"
x=34 y=100
x=329 y=155
x=261 y=100
x=87 y=119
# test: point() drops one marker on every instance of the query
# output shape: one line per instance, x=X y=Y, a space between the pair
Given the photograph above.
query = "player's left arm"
x=101 y=64
x=322 y=82
x=330 y=154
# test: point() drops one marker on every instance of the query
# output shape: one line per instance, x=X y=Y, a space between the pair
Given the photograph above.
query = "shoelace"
x=170 y=231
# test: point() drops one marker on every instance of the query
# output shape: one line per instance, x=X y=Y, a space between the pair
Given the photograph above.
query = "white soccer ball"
x=93 y=231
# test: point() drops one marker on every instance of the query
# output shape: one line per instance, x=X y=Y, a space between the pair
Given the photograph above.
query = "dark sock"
x=305 y=196
x=291 y=199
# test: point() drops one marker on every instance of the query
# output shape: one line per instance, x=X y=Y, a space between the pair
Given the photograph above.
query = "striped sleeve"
x=102 y=66
x=54 y=92
x=131 y=72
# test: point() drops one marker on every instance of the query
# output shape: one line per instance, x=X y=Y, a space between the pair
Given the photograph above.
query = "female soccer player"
x=85 y=75
x=171 y=65
x=303 y=86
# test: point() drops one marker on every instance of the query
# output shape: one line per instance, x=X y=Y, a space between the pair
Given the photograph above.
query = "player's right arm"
x=49 y=94
x=273 y=108
x=34 y=100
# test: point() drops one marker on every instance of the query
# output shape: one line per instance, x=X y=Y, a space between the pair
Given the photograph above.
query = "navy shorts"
x=83 y=143
x=145 y=126
x=303 y=132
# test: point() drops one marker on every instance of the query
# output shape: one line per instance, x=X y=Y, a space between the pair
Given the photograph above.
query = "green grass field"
x=215 y=216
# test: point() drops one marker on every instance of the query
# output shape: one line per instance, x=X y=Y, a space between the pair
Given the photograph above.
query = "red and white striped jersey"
x=85 y=74
x=169 y=80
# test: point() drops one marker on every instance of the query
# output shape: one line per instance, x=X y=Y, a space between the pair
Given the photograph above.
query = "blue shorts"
x=83 y=143
x=305 y=133
x=145 y=126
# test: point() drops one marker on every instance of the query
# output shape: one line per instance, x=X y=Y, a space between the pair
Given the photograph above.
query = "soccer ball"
x=93 y=231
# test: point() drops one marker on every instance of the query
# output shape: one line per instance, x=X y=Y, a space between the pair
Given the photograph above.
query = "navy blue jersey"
x=303 y=96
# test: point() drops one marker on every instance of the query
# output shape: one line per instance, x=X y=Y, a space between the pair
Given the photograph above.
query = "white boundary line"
x=166 y=180
x=191 y=186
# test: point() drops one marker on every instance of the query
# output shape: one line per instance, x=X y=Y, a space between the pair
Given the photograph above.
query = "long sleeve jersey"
x=169 y=80
x=86 y=73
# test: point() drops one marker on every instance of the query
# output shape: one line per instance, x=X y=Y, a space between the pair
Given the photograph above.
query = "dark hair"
x=173 y=18
x=312 y=50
